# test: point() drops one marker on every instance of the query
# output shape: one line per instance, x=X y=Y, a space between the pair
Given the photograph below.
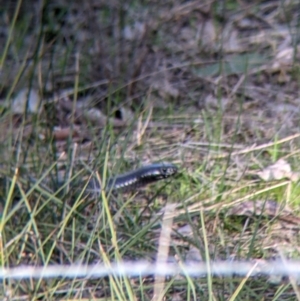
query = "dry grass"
x=212 y=86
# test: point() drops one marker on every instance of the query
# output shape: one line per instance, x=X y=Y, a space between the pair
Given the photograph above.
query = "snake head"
x=168 y=170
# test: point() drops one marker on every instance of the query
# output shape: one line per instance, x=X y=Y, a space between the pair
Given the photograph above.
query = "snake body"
x=139 y=177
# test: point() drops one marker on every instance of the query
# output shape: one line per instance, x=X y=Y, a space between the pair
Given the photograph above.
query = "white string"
x=133 y=269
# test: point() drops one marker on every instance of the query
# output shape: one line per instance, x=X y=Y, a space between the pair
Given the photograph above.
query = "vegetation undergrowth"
x=89 y=91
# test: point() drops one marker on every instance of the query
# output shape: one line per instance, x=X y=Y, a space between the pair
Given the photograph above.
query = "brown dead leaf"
x=279 y=170
x=256 y=208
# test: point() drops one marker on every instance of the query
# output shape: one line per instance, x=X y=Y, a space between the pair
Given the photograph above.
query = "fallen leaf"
x=279 y=170
x=26 y=100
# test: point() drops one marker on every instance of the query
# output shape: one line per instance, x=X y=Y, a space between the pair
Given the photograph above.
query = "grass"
x=186 y=104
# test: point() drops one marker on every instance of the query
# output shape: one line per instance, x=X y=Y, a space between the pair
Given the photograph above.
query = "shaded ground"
x=234 y=58
x=210 y=85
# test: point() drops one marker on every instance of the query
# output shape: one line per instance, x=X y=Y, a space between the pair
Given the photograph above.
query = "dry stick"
x=163 y=250
x=69 y=92
x=74 y=151
x=291 y=154
x=142 y=128
x=207 y=200
x=249 y=196
x=254 y=148
x=236 y=87
x=199 y=206
x=178 y=11
x=201 y=143
x=62 y=238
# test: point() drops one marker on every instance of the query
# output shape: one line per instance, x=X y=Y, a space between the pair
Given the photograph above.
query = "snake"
x=134 y=179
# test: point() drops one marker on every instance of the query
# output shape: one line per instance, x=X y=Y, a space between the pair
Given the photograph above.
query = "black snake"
x=139 y=177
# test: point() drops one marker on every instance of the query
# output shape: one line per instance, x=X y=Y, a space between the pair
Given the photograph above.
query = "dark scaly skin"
x=139 y=177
